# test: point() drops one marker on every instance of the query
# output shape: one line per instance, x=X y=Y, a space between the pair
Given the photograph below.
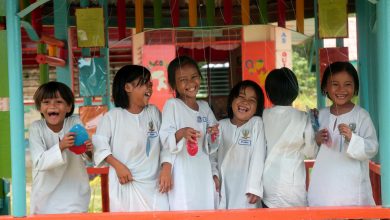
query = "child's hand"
x=67 y=141
x=322 y=136
x=252 y=199
x=346 y=131
x=217 y=183
x=123 y=173
x=165 y=180
x=89 y=145
x=213 y=130
x=188 y=133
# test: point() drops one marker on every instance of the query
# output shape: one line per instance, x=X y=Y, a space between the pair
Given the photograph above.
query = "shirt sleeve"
x=101 y=140
x=165 y=155
x=255 y=184
x=363 y=144
x=169 y=129
x=44 y=157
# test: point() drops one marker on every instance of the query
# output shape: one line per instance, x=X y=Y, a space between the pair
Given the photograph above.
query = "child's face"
x=139 y=95
x=187 y=81
x=244 y=106
x=340 y=88
x=54 y=111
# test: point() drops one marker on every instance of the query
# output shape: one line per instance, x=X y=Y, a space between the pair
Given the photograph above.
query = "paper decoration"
x=333 y=18
x=258 y=59
x=91 y=115
x=156 y=58
x=330 y=55
x=93 y=76
x=90 y=27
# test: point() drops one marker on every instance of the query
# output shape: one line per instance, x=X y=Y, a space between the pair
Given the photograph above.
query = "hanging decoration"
x=175 y=18
x=139 y=16
x=263 y=15
x=228 y=12
x=282 y=13
x=300 y=11
x=332 y=18
x=210 y=12
x=90 y=27
x=121 y=16
x=245 y=12
x=193 y=13
x=157 y=9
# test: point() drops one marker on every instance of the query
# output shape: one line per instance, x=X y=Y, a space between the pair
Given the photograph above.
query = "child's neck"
x=237 y=122
x=55 y=128
x=341 y=109
x=190 y=102
x=135 y=109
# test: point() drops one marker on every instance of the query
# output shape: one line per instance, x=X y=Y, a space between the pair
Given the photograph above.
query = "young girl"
x=290 y=138
x=60 y=180
x=240 y=157
x=183 y=132
x=340 y=176
x=127 y=139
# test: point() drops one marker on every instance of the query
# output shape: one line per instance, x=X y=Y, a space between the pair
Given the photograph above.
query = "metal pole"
x=17 y=110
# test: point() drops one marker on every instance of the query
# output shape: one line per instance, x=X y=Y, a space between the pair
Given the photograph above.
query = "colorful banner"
x=90 y=117
x=156 y=58
x=258 y=59
x=330 y=55
x=332 y=18
x=90 y=27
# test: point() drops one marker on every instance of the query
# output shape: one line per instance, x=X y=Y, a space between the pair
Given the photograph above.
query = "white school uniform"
x=124 y=135
x=193 y=186
x=239 y=163
x=290 y=138
x=60 y=179
x=340 y=176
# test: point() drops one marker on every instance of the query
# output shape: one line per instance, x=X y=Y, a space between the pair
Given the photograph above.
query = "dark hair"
x=127 y=74
x=235 y=92
x=177 y=63
x=51 y=90
x=281 y=86
x=337 y=67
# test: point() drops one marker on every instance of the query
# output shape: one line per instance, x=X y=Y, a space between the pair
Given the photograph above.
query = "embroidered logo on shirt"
x=199 y=119
x=245 y=138
x=152 y=133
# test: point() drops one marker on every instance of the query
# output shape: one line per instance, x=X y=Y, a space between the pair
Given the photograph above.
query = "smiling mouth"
x=242 y=109
x=53 y=114
x=148 y=94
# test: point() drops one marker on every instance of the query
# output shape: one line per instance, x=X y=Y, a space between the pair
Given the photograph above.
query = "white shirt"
x=340 y=176
x=126 y=136
x=193 y=186
x=60 y=180
x=290 y=138
x=239 y=162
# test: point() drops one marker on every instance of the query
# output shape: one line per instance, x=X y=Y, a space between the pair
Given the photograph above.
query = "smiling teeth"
x=242 y=109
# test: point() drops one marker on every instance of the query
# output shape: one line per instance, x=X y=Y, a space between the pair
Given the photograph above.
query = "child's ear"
x=129 y=87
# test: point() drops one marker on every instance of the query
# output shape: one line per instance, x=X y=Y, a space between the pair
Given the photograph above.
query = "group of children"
x=184 y=159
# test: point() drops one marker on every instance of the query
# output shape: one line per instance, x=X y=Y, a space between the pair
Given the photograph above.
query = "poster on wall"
x=90 y=27
x=156 y=58
x=258 y=59
x=330 y=55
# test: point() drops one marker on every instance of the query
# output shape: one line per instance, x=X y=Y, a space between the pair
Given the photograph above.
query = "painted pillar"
x=263 y=12
x=300 y=6
x=61 y=33
x=17 y=114
x=106 y=53
x=319 y=43
x=210 y=12
x=383 y=28
x=157 y=9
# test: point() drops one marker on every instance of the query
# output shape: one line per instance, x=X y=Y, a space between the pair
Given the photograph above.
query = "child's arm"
x=255 y=175
x=122 y=171
x=165 y=179
x=42 y=156
x=214 y=170
x=363 y=144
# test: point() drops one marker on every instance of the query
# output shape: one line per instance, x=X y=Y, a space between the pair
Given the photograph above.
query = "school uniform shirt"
x=290 y=138
x=193 y=185
x=60 y=179
x=133 y=139
x=239 y=163
x=340 y=176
